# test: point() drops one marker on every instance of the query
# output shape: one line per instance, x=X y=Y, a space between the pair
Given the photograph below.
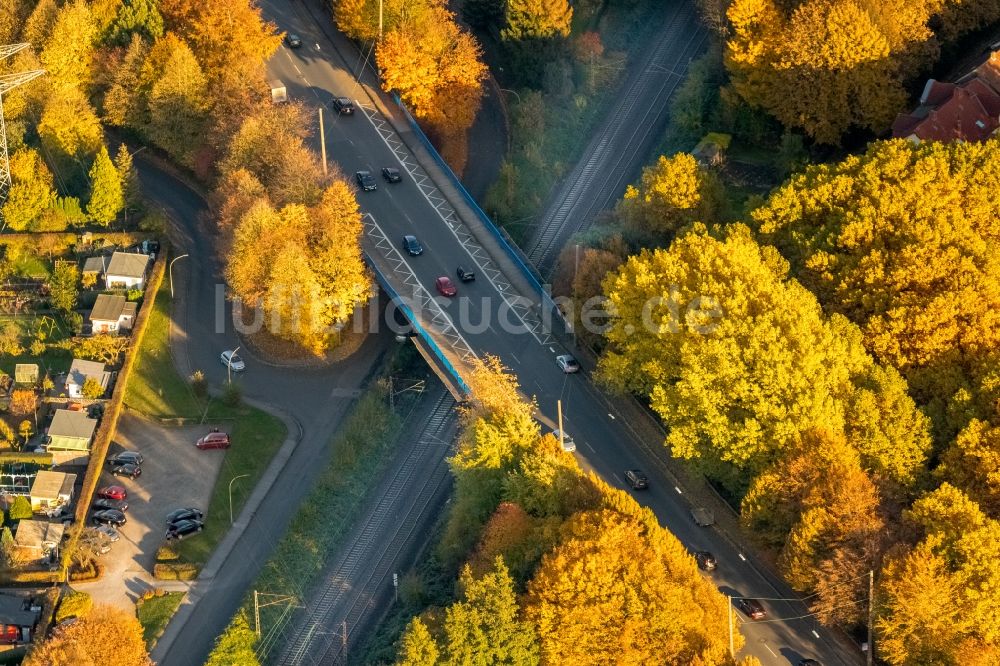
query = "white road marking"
x=742 y=557
x=815 y=633
x=592 y=449
x=617 y=479
x=678 y=490
x=768 y=647
x=611 y=415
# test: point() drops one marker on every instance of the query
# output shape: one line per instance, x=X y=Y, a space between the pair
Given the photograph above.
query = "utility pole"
x=256 y=614
x=380 y=20
x=869 y=656
x=8 y=82
x=729 y=621
x=562 y=435
x=322 y=139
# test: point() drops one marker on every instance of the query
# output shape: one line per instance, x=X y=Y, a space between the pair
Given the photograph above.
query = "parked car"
x=391 y=175
x=127 y=469
x=705 y=560
x=112 y=492
x=445 y=286
x=568 y=444
x=293 y=41
x=636 y=479
x=567 y=363
x=214 y=440
x=751 y=608
x=412 y=246
x=184 y=528
x=109 y=517
x=343 y=106
x=702 y=517
x=465 y=275
x=365 y=181
x=102 y=503
x=232 y=360
x=177 y=515
x=131 y=457
x=108 y=532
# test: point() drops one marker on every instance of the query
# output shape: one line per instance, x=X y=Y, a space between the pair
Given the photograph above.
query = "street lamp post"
x=171 y=272
x=512 y=92
x=231 y=495
x=229 y=366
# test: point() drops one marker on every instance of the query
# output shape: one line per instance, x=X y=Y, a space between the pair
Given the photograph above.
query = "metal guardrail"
x=483 y=217
x=401 y=304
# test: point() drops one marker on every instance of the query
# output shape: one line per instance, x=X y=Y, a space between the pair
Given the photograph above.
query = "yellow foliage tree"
x=30 y=192
x=673 y=193
x=69 y=50
x=972 y=463
x=359 y=19
x=177 y=99
x=105 y=635
x=69 y=129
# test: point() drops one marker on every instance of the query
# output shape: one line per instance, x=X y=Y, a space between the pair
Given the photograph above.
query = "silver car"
x=232 y=360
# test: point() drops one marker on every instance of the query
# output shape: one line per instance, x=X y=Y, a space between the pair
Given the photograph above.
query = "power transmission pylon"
x=7 y=82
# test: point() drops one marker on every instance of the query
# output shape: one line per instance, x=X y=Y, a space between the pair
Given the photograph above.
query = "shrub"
x=20 y=509
x=233 y=395
x=92 y=388
x=166 y=553
x=199 y=385
x=133 y=294
x=74 y=604
x=179 y=571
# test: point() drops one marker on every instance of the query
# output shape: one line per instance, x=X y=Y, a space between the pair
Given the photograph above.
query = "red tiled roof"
x=970 y=112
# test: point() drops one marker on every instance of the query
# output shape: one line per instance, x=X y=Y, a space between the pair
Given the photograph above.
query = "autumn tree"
x=235 y=645
x=825 y=66
x=23 y=401
x=177 y=99
x=40 y=21
x=536 y=19
x=972 y=463
x=417 y=647
x=63 y=286
x=102 y=347
x=903 y=240
x=740 y=360
x=31 y=190
x=107 y=197
x=69 y=50
x=485 y=625
x=674 y=192
x=238 y=191
x=593 y=599
x=13 y=14
x=135 y=17
x=436 y=68
x=359 y=19
x=106 y=635
x=126 y=97
x=70 y=130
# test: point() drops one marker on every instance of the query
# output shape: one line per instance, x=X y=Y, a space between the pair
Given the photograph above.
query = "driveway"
x=174 y=474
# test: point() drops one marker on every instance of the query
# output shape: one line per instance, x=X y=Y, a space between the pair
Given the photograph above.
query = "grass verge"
x=361 y=450
x=155 y=612
x=155 y=389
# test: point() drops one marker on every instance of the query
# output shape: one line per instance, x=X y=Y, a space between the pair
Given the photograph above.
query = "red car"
x=112 y=492
x=214 y=440
x=445 y=286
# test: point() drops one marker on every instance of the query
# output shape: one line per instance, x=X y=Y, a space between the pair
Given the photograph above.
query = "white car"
x=110 y=533
x=567 y=364
x=568 y=445
x=230 y=359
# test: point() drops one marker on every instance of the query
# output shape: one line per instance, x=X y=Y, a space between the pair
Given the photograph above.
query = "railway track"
x=620 y=146
x=353 y=587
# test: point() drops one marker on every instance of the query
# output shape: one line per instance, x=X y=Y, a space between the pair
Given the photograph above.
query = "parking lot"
x=174 y=474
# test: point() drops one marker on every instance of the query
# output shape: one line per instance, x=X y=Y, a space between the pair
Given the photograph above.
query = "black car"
x=391 y=175
x=184 y=528
x=365 y=181
x=705 y=560
x=465 y=275
x=126 y=458
x=111 y=517
x=636 y=479
x=189 y=513
x=809 y=662
x=751 y=608
x=131 y=470
x=293 y=41
x=343 y=106
x=102 y=503
x=412 y=246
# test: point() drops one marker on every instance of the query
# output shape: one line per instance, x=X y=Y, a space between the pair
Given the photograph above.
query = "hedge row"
x=181 y=571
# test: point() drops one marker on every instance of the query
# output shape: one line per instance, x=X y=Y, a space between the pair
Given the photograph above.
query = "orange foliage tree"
x=106 y=635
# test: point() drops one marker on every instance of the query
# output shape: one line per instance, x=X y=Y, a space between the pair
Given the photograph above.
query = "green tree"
x=8 y=550
x=865 y=235
x=30 y=191
x=20 y=509
x=63 y=286
x=177 y=99
x=107 y=197
x=417 y=647
x=135 y=17
x=484 y=626
x=128 y=176
x=740 y=360
x=673 y=193
x=235 y=645
x=68 y=52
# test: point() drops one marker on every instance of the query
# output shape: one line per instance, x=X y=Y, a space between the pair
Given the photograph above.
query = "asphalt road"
x=315 y=399
x=605 y=442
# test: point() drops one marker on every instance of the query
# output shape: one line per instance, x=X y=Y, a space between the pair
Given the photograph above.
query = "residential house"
x=967 y=110
x=26 y=373
x=69 y=437
x=126 y=270
x=38 y=539
x=78 y=373
x=111 y=314
x=18 y=618
x=51 y=491
x=94 y=269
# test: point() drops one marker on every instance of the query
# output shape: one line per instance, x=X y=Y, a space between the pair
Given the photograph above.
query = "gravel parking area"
x=174 y=474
